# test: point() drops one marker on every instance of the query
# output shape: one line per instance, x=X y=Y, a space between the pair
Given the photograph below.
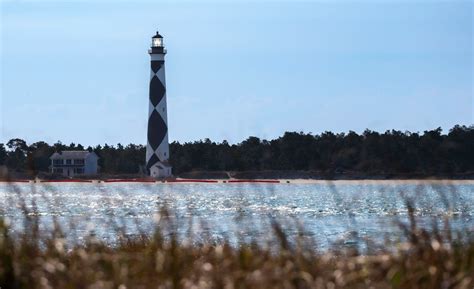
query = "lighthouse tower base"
x=160 y=170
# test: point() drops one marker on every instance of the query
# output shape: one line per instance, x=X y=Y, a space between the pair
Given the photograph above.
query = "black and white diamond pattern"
x=157 y=147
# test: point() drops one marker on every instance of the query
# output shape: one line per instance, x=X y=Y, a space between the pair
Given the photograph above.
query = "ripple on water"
x=329 y=213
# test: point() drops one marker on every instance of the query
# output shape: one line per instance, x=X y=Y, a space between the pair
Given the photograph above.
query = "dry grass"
x=31 y=258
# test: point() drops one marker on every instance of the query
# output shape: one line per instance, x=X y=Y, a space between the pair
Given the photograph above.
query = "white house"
x=160 y=170
x=73 y=163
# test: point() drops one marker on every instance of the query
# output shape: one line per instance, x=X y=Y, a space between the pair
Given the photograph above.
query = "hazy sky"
x=78 y=71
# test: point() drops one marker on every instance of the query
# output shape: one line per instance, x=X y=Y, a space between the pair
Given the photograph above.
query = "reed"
x=32 y=258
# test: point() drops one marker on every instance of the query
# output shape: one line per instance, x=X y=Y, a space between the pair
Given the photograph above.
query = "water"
x=342 y=213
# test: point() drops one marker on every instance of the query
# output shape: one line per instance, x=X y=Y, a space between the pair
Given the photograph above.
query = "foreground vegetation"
x=33 y=258
x=431 y=153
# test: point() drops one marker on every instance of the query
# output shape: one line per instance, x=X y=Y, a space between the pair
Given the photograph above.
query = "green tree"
x=16 y=157
x=3 y=154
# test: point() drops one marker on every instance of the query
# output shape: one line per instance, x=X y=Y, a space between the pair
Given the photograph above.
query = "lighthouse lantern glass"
x=157 y=42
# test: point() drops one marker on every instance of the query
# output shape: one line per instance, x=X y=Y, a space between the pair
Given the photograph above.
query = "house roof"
x=162 y=165
x=71 y=155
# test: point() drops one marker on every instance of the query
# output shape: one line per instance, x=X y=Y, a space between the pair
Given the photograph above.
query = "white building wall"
x=90 y=164
x=157 y=172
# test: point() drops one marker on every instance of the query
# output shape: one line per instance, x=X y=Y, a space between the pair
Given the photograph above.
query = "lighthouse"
x=157 y=149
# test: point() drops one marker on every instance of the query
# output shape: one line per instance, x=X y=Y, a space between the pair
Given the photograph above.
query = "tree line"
x=391 y=152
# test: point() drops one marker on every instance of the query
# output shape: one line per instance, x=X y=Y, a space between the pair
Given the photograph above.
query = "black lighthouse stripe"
x=156 y=65
x=157 y=130
x=157 y=91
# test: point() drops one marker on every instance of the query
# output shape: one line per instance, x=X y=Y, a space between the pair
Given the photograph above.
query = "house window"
x=57 y=162
x=78 y=162
x=68 y=162
x=79 y=171
x=57 y=171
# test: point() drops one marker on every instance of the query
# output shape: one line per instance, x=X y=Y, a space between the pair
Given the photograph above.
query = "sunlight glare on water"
x=346 y=212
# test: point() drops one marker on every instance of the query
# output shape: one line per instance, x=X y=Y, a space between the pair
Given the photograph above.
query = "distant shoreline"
x=300 y=177
x=235 y=176
x=245 y=181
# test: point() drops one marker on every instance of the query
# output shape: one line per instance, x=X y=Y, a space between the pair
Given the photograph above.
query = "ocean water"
x=328 y=213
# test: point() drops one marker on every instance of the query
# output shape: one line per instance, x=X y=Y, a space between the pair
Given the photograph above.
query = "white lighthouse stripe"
x=161 y=109
x=163 y=149
x=150 y=108
x=149 y=152
x=161 y=75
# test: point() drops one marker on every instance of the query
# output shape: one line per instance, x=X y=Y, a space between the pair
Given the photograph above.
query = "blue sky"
x=78 y=71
